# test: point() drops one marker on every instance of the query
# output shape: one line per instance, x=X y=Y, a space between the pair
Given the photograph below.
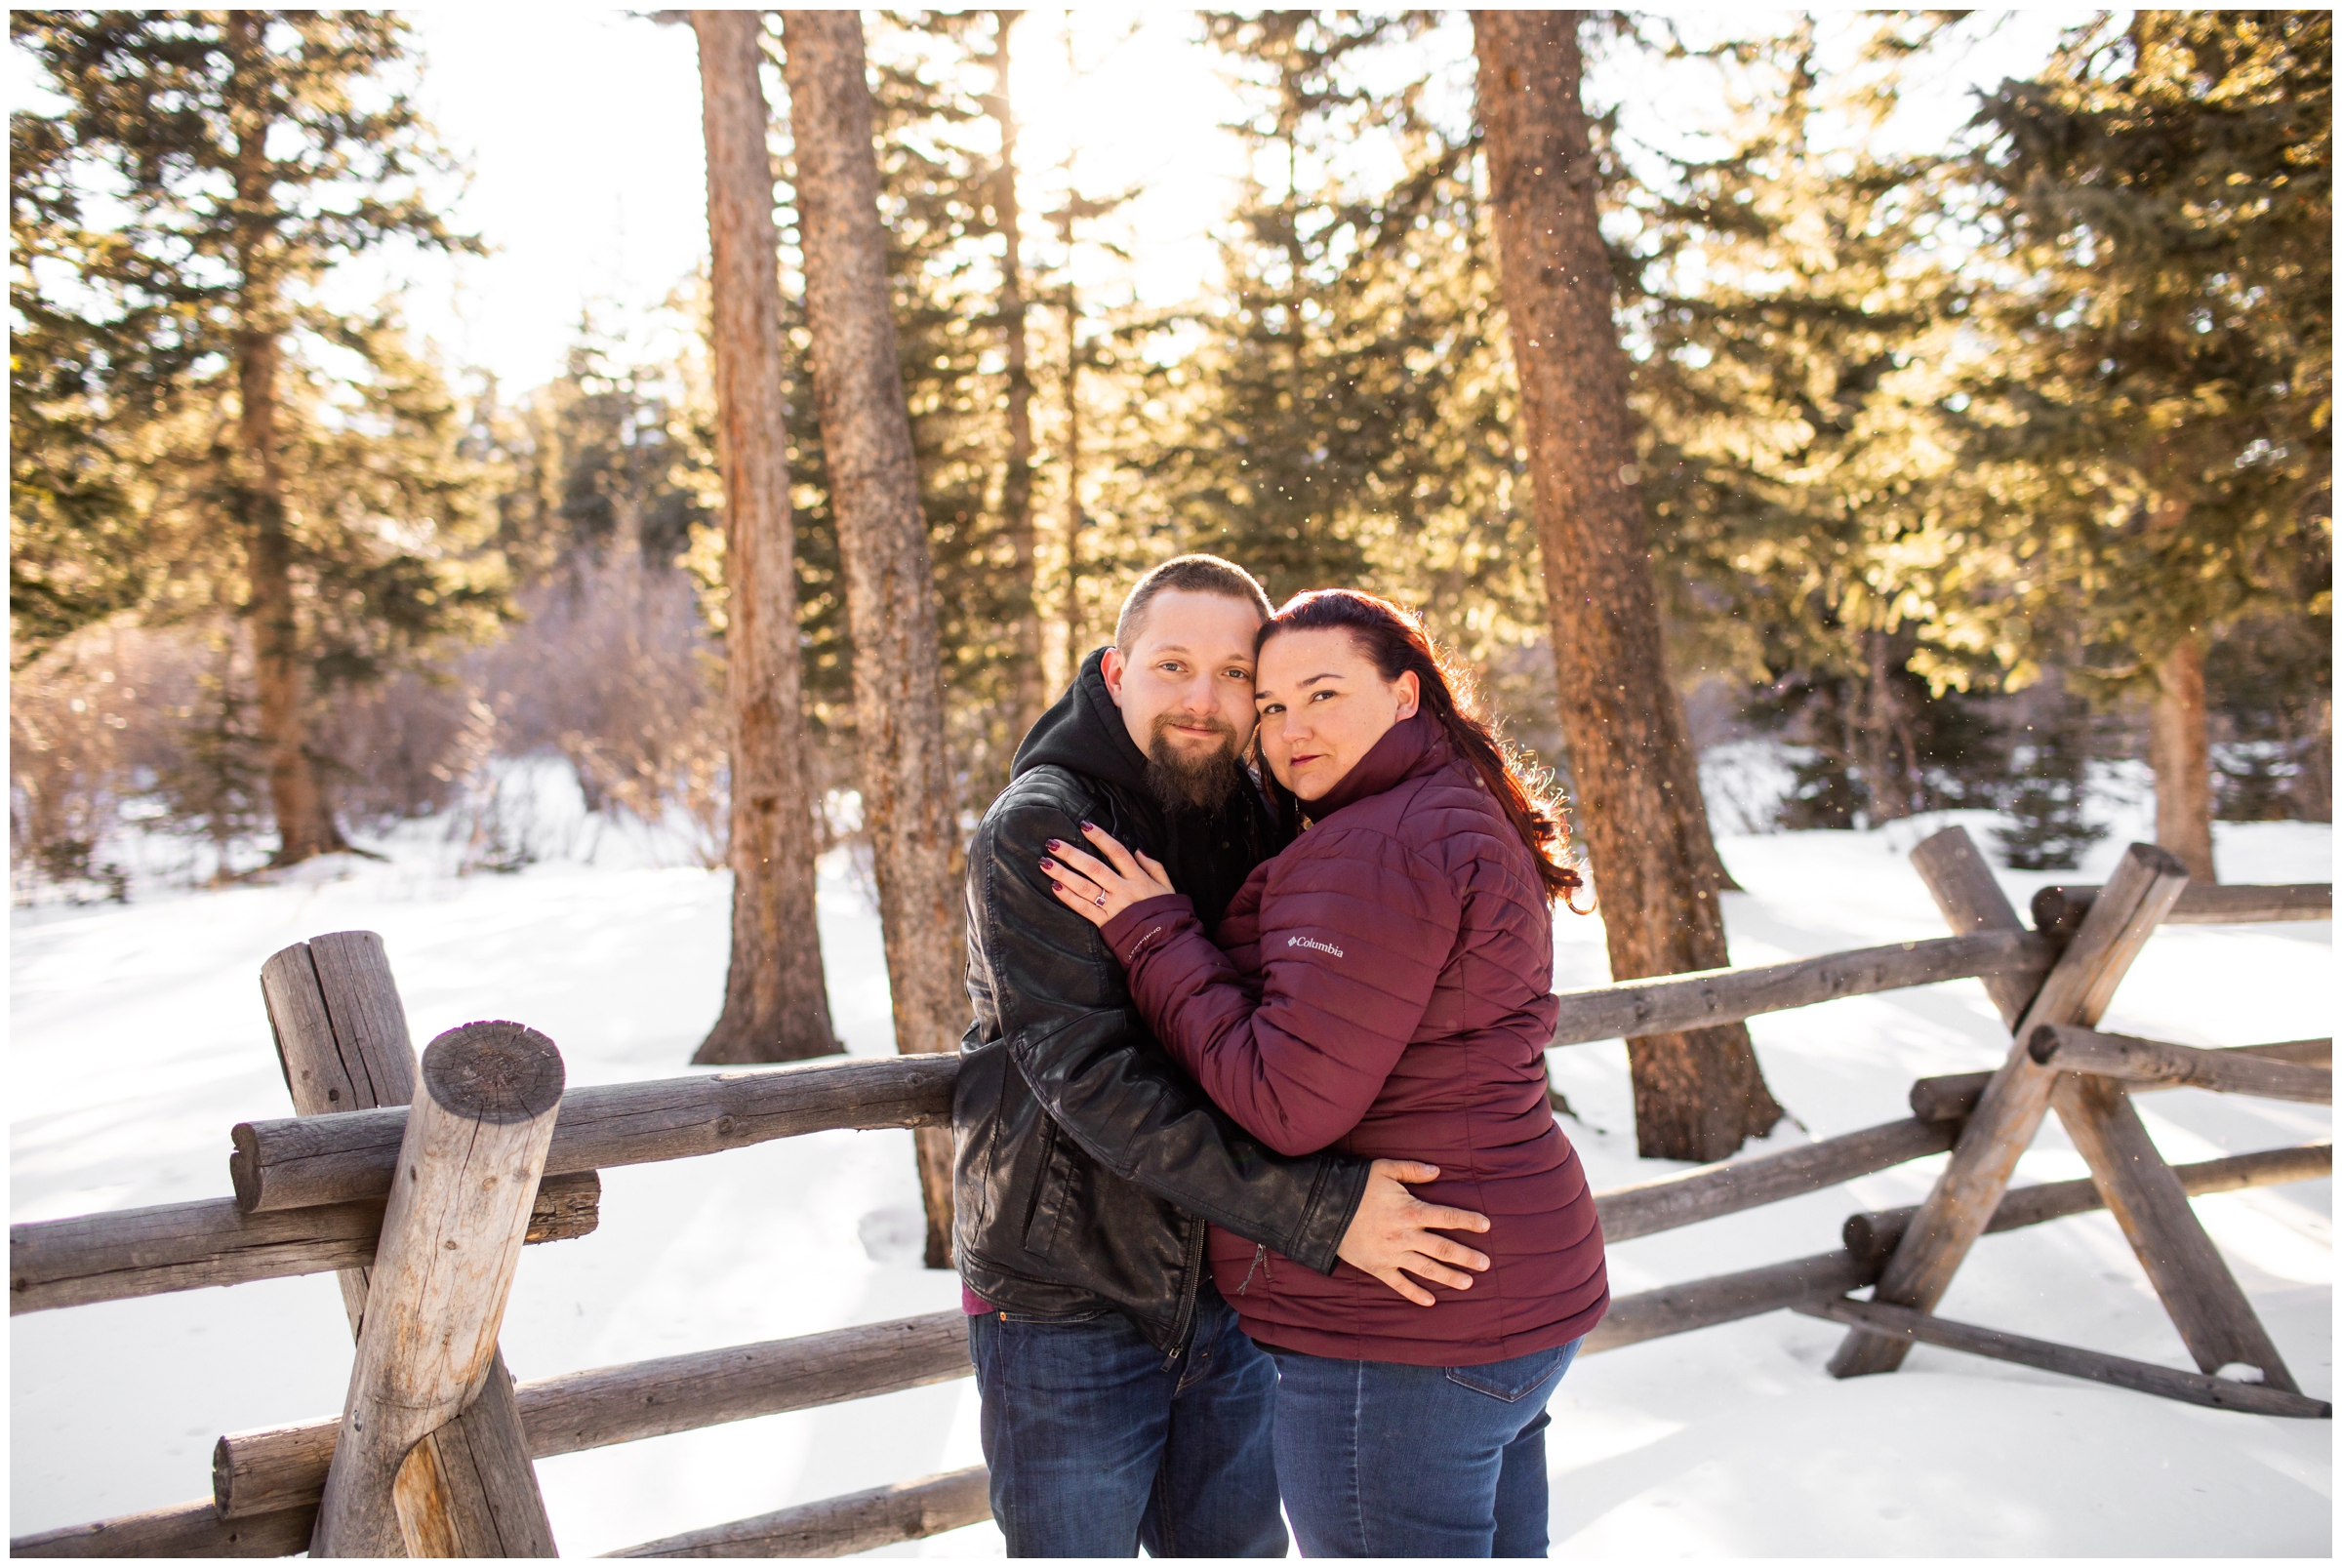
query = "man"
x=1121 y=1405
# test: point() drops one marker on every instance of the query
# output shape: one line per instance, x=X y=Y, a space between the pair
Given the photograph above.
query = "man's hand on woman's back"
x=1393 y=1230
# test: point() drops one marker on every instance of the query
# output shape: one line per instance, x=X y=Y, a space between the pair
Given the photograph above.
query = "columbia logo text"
x=1311 y=942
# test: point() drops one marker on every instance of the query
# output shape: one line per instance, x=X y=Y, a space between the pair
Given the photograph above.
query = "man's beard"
x=1182 y=780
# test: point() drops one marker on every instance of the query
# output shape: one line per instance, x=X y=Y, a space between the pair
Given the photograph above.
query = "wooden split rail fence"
x=418 y=1191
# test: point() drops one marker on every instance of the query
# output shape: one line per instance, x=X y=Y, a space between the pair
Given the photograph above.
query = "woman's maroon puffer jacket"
x=1386 y=988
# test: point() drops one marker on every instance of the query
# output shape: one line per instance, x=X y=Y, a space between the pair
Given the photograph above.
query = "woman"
x=1384 y=984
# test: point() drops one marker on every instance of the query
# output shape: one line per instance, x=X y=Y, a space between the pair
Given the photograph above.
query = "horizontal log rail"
x=2057 y=912
x=2133 y=1060
x=182 y=1530
x=299 y=1161
x=1688 y=1197
x=1874 y=1236
x=303 y=1161
x=2143 y=1376
x=841 y=1526
x=1630 y=1008
x=1871 y=1239
x=1697 y=1303
x=192 y=1246
x=278 y=1467
x=1952 y=1096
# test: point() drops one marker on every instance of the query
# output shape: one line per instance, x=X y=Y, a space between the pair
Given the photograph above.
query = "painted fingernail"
x=1048 y=865
x=1057 y=887
x=1055 y=844
x=1089 y=827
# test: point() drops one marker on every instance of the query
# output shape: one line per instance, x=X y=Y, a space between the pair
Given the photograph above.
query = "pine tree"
x=1266 y=454
x=253 y=151
x=90 y=399
x=1792 y=299
x=1309 y=412
x=2144 y=434
x=1349 y=415
x=2271 y=683
x=2050 y=796
x=1030 y=696
x=1086 y=351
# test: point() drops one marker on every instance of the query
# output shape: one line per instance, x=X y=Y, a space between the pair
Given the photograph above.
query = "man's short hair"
x=1188 y=574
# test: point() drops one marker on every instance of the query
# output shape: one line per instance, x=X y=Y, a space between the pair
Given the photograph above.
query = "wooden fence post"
x=2214 y=1318
x=342 y=1039
x=2125 y=913
x=468 y=1167
x=2210 y=1309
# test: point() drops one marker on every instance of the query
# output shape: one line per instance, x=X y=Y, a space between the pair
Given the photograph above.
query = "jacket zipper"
x=1188 y=1291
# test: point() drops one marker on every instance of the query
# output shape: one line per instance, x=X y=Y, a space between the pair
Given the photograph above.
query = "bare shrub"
x=384 y=748
x=63 y=773
x=117 y=729
x=613 y=668
x=123 y=739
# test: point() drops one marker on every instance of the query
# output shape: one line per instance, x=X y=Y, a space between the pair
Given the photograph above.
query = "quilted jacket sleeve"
x=1354 y=930
x=1077 y=1041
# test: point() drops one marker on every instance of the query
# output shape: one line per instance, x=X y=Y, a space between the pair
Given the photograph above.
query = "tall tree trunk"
x=882 y=535
x=2179 y=750
x=1030 y=692
x=2313 y=787
x=1070 y=610
x=305 y=820
x=1887 y=775
x=1699 y=1094
x=775 y=999
x=1708 y=871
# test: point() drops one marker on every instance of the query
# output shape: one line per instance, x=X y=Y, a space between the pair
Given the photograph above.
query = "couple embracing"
x=1260 y=950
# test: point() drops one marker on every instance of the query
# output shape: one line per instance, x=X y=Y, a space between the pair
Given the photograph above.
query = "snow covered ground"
x=138 y=1038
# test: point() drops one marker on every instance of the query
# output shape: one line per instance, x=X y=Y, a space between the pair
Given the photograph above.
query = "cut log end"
x=1951 y=1097
x=494 y=1073
x=244 y=1166
x=565 y=1207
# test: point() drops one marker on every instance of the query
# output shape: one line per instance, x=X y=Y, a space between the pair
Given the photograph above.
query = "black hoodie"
x=1086 y=1161
x=1207 y=853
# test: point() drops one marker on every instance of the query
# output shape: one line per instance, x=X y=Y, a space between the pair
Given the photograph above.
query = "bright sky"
x=581 y=131
x=586 y=171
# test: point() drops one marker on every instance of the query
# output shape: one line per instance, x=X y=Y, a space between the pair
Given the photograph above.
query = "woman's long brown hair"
x=1394 y=643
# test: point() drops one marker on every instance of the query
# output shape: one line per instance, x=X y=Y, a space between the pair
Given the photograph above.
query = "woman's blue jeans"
x=1379 y=1460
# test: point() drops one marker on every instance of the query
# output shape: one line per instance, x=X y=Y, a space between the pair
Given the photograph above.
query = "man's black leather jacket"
x=1087 y=1161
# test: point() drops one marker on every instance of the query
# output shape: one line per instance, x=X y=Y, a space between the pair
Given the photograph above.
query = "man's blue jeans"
x=1100 y=1443
x=1387 y=1461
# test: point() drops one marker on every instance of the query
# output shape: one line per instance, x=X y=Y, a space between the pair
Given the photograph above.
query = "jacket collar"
x=1415 y=745
x=1084 y=732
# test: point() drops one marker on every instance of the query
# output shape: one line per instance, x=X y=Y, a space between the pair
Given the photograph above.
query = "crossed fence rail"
x=321 y=1191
